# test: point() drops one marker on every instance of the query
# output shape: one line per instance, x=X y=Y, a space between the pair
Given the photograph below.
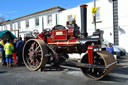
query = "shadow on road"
x=120 y=74
x=114 y=78
x=60 y=68
x=3 y=72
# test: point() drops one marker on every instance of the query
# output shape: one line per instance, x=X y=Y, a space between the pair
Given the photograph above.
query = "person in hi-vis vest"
x=8 y=47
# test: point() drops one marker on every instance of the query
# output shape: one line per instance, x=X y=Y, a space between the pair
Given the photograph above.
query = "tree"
x=1 y=19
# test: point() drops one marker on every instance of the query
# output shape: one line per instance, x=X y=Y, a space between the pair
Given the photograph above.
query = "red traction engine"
x=53 y=46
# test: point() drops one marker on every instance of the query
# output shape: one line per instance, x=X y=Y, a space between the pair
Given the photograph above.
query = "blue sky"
x=11 y=9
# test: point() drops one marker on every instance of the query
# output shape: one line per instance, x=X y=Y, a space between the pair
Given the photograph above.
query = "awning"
x=7 y=35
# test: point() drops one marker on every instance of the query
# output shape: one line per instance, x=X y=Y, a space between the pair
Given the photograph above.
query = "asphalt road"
x=66 y=76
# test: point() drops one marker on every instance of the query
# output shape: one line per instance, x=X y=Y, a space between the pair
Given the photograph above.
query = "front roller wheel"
x=34 y=52
x=101 y=58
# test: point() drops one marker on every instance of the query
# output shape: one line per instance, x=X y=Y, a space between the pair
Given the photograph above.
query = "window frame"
x=49 y=19
x=37 y=23
x=27 y=23
x=5 y=27
x=19 y=25
x=11 y=26
x=68 y=18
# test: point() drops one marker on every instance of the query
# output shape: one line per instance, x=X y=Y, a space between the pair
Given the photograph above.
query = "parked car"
x=118 y=51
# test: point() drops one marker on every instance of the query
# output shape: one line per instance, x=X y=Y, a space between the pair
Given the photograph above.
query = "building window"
x=19 y=25
x=42 y=23
x=69 y=17
x=98 y=14
x=27 y=23
x=14 y=26
x=98 y=17
x=5 y=27
x=49 y=18
x=56 y=19
x=11 y=27
x=2 y=27
x=37 y=21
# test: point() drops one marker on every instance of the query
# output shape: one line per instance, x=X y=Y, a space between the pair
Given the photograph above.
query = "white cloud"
x=11 y=12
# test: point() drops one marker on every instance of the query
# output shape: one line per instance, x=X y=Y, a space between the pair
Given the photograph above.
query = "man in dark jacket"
x=19 y=47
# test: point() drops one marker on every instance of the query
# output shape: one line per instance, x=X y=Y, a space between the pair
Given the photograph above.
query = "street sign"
x=94 y=9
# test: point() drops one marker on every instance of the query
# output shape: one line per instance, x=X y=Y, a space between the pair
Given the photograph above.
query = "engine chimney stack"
x=84 y=33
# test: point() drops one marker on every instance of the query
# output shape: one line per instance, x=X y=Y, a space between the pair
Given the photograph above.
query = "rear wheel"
x=34 y=52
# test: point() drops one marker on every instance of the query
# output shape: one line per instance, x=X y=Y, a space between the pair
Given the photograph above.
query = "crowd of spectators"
x=11 y=52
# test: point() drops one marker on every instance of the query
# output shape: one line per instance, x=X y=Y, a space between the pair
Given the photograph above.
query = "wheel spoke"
x=37 y=48
x=33 y=51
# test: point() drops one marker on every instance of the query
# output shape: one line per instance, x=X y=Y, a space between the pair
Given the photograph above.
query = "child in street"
x=8 y=47
x=14 y=52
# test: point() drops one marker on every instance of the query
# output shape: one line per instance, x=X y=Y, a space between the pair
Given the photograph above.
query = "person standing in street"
x=14 y=52
x=19 y=47
x=110 y=48
x=8 y=47
x=2 y=52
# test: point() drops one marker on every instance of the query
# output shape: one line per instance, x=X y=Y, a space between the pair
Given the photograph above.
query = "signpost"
x=94 y=9
x=94 y=13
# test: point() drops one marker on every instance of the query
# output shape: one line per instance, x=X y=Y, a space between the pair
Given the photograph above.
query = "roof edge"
x=61 y=9
x=56 y=7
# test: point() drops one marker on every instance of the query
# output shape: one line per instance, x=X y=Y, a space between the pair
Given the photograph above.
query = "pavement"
x=66 y=76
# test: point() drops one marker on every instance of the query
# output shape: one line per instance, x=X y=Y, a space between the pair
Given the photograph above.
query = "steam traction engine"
x=53 y=46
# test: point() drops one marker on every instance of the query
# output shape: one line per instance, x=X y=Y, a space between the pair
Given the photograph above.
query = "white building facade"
x=50 y=17
x=35 y=21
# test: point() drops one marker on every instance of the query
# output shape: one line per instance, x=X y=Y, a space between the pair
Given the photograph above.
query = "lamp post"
x=115 y=22
x=94 y=15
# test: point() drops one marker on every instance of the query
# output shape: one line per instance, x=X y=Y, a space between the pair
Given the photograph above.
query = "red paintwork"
x=41 y=36
x=90 y=54
x=68 y=42
x=60 y=37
